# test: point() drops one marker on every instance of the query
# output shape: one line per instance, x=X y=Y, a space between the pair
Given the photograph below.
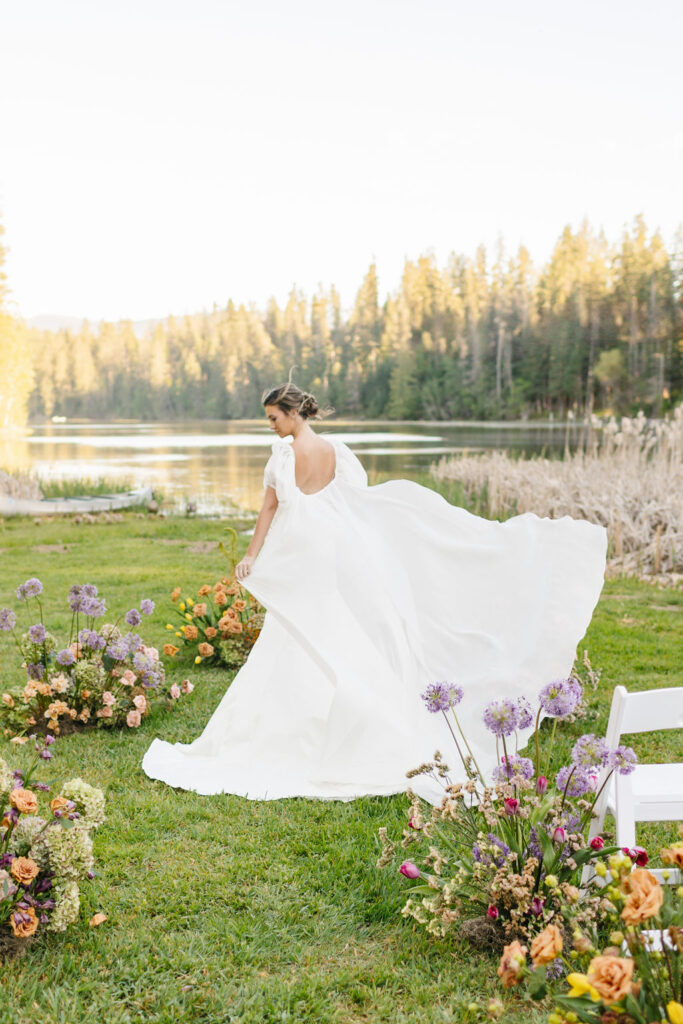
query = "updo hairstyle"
x=289 y=397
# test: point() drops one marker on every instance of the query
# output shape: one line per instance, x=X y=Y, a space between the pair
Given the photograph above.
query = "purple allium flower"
x=436 y=697
x=526 y=713
x=8 y=619
x=133 y=617
x=561 y=697
x=75 y=596
x=133 y=642
x=117 y=651
x=93 y=607
x=409 y=869
x=501 y=717
x=590 y=751
x=66 y=657
x=555 y=970
x=513 y=765
x=89 y=590
x=146 y=606
x=31 y=588
x=91 y=639
x=37 y=633
x=577 y=781
x=35 y=670
x=455 y=693
x=623 y=760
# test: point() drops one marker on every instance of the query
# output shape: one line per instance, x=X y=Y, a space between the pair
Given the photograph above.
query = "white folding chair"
x=652 y=792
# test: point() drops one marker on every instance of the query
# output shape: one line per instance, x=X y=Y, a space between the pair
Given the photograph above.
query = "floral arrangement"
x=43 y=859
x=104 y=675
x=637 y=978
x=507 y=859
x=221 y=626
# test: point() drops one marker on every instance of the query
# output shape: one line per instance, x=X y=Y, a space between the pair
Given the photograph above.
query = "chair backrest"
x=644 y=711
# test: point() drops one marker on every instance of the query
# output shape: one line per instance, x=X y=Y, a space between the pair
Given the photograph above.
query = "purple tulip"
x=537 y=905
x=409 y=869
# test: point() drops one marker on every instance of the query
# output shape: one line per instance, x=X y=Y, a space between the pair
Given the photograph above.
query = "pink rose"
x=175 y=691
x=140 y=702
x=151 y=652
x=128 y=678
x=409 y=869
x=133 y=719
x=597 y=843
x=108 y=698
x=186 y=686
x=105 y=712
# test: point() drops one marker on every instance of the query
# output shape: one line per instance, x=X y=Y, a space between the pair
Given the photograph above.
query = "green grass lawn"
x=220 y=909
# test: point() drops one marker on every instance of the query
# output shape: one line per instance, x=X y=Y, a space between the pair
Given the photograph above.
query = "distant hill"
x=53 y=322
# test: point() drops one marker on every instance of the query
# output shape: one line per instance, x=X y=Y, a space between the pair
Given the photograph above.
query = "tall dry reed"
x=627 y=476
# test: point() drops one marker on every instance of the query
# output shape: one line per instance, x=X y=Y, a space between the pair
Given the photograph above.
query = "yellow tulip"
x=197 y=660
x=182 y=606
x=169 y=626
x=674 y=1012
x=179 y=634
x=580 y=985
x=188 y=616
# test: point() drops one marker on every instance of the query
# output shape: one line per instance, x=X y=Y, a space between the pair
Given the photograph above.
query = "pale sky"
x=160 y=156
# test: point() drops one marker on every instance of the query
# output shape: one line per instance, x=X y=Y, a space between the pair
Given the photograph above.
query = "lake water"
x=220 y=464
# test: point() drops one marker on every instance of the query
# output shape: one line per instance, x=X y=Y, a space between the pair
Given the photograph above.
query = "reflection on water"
x=220 y=463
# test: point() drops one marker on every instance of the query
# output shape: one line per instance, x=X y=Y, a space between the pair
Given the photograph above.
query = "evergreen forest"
x=598 y=327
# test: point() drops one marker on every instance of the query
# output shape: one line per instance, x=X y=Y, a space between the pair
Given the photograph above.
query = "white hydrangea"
x=89 y=802
x=68 y=902
x=6 y=778
x=70 y=851
x=24 y=834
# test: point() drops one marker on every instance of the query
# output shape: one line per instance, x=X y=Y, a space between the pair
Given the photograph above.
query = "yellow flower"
x=580 y=985
x=178 y=633
x=182 y=606
x=197 y=660
x=188 y=616
x=674 y=1012
x=169 y=626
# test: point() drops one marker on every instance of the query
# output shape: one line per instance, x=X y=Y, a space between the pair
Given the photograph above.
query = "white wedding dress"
x=372 y=593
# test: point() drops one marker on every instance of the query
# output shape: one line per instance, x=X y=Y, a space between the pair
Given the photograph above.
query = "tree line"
x=598 y=326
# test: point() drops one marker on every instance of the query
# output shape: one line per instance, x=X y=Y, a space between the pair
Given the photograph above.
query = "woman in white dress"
x=372 y=593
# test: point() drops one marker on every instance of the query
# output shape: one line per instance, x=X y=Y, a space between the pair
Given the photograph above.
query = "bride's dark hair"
x=289 y=397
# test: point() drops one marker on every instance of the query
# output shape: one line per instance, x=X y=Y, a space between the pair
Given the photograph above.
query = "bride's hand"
x=243 y=568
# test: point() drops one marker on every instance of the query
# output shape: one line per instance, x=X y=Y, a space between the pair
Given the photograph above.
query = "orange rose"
x=206 y=650
x=645 y=896
x=210 y=632
x=233 y=589
x=239 y=605
x=611 y=976
x=220 y=599
x=8 y=699
x=673 y=855
x=220 y=586
x=20 y=926
x=203 y=591
x=190 y=632
x=175 y=594
x=547 y=945
x=24 y=870
x=199 y=609
x=234 y=627
x=170 y=650
x=58 y=803
x=511 y=964
x=24 y=800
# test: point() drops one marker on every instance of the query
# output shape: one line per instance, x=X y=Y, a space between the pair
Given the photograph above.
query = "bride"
x=372 y=593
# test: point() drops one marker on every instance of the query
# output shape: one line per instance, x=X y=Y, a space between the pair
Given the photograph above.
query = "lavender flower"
x=66 y=657
x=623 y=760
x=37 y=633
x=513 y=765
x=133 y=617
x=494 y=853
x=576 y=781
x=501 y=717
x=436 y=697
x=146 y=606
x=8 y=619
x=555 y=970
x=561 y=697
x=590 y=751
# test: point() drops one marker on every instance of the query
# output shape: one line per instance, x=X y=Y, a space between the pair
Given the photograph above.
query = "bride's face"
x=280 y=421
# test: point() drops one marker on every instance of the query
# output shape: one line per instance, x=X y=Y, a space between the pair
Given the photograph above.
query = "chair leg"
x=624 y=811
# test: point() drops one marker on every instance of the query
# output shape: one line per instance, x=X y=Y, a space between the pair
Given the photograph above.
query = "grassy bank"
x=224 y=910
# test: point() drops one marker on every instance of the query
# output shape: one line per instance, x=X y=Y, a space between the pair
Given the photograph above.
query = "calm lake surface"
x=220 y=464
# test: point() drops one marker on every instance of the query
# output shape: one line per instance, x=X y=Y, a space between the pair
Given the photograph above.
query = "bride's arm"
x=263 y=521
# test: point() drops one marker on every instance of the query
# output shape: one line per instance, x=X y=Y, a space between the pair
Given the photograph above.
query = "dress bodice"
x=280 y=468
